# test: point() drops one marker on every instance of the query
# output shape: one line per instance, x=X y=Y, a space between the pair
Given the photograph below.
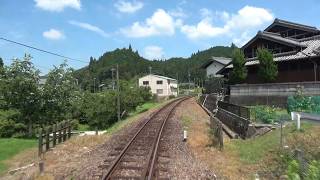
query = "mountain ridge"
x=131 y=65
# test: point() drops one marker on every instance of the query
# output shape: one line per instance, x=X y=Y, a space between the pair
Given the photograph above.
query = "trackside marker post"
x=184 y=135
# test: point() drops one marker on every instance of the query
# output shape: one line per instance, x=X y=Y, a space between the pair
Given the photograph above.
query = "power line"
x=45 y=51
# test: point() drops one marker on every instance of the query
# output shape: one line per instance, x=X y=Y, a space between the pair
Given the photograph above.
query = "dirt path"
x=224 y=164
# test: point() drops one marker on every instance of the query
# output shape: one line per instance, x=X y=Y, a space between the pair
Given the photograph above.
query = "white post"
x=184 y=135
x=298 y=121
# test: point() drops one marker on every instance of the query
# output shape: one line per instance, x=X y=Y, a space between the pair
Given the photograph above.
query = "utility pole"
x=189 y=82
x=118 y=94
x=112 y=75
x=150 y=70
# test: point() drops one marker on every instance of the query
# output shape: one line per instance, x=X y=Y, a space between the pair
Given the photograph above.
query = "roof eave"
x=291 y=25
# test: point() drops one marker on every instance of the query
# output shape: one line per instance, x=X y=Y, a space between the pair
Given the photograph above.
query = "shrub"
x=8 y=125
x=302 y=103
x=313 y=170
x=264 y=114
x=293 y=170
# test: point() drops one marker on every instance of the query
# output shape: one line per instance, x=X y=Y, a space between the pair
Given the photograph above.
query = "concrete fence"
x=275 y=89
x=273 y=94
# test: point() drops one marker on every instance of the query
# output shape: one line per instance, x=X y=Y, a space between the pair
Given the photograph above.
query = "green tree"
x=268 y=69
x=57 y=95
x=239 y=71
x=100 y=109
x=22 y=91
x=1 y=63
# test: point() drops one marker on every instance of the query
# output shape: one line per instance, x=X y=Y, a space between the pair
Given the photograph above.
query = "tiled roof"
x=292 y=24
x=311 y=50
x=275 y=37
x=221 y=60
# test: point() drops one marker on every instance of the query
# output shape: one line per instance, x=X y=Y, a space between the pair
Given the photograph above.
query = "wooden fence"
x=52 y=135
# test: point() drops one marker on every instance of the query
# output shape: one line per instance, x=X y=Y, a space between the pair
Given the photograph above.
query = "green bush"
x=267 y=114
x=264 y=114
x=300 y=103
x=295 y=172
x=8 y=125
x=313 y=170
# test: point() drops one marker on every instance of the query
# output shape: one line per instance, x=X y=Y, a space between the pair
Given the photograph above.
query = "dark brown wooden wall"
x=288 y=71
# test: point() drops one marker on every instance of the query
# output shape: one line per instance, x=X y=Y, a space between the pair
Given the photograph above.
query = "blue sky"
x=157 y=29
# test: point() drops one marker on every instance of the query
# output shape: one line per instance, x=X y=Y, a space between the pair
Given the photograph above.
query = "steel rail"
x=156 y=144
x=115 y=163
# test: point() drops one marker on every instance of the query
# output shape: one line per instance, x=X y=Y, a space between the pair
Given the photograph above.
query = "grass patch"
x=186 y=122
x=132 y=116
x=254 y=150
x=143 y=108
x=9 y=147
x=83 y=127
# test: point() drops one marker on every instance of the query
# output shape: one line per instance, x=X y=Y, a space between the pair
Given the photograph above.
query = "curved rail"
x=148 y=170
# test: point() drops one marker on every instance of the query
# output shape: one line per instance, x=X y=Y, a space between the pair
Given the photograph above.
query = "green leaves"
x=57 y=94
x=268 y=69
x=20 y=90
x=239 y=71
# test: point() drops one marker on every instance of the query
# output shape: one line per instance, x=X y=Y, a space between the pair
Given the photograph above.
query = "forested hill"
x=131 y=65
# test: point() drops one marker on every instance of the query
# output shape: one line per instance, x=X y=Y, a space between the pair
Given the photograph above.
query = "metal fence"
x=235 y=122
x=209 y=101
x=235 y=109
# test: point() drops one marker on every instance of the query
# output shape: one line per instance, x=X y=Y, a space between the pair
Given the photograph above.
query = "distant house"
x=159 y=85
x=42 y=81
x=215 y=65
x=295 y=47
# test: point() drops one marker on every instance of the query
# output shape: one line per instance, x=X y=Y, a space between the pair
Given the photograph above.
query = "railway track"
x=137 y=158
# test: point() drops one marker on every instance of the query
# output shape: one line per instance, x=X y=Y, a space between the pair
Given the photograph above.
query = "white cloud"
x=203 y=29
x=246 y=19
x=57 y=5
x=153 y=52
x=160 y=23
x=89 y=27
x=205 y=12
x=241 y=39
x=127 y=6
x=53 y=34
x=249 y=17
x=178 y=13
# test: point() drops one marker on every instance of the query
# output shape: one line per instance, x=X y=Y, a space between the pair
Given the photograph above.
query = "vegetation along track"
x=136 y=159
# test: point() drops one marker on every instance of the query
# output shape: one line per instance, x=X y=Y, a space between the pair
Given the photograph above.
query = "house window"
x=159 y=91
x=145 y=82
x=160 y=82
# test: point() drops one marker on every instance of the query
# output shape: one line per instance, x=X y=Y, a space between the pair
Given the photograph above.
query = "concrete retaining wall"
x=275 y=89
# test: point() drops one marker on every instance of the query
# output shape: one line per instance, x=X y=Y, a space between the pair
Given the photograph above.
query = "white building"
x=160 y=85
x=215 y=65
